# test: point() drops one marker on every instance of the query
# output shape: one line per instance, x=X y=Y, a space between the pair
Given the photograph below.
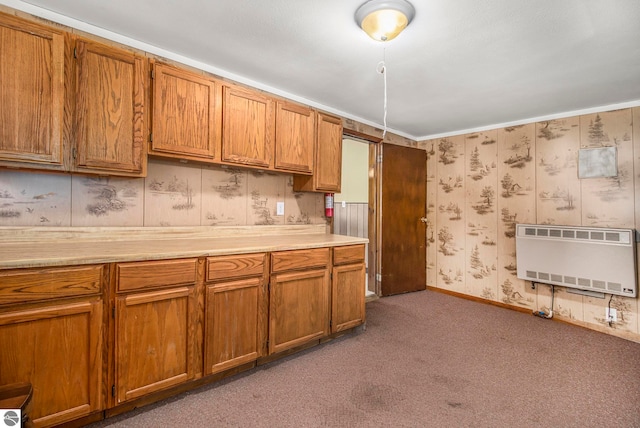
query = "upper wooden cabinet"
x=32 y=59
x=327 y=172
x=186 y=115
x=110 y=133
x=295 y=138
x=248 y=128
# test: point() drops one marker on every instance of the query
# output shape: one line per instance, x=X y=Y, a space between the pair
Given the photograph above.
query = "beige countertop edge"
x=32 y=255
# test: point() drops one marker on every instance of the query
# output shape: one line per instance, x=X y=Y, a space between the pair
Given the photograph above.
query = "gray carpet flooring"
x=427 y=359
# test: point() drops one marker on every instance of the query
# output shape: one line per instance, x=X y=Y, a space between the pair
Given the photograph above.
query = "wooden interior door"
x=403 y=247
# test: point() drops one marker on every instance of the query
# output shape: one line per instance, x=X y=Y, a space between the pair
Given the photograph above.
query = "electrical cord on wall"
x=543 y=314
x=609 y=311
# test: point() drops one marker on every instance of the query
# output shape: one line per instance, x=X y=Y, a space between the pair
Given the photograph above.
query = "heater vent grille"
x=592 y=259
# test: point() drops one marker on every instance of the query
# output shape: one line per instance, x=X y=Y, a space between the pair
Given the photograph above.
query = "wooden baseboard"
x=610 y=331
x=479 y=299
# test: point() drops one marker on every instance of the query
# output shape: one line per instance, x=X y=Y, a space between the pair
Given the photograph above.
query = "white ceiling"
x=460 y=65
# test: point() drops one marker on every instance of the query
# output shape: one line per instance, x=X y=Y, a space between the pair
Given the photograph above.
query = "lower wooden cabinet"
x=235 y=311
x=91 y=338
x=298 y=300
x=51 y=336
x=58 y=349
x=231 y=332
x=348 y=287
x=154 y=328
x=347 y=297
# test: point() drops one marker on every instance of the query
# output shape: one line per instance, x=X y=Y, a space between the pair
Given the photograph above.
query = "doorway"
x=351 y=205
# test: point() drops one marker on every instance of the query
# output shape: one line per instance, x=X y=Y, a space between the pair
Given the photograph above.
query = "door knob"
x=424 y=219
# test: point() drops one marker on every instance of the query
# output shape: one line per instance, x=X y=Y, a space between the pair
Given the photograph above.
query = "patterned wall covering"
x=480 y=185
x=172 y=194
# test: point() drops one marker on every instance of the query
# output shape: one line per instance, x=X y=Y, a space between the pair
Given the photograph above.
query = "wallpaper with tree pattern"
x=480 y=185
x=172 y=194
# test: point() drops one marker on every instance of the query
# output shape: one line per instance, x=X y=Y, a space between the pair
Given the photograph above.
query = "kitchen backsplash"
x=172 y=194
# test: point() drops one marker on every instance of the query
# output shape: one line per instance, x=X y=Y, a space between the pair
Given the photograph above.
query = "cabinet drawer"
x=225 y=267
x=28 y=285
x=349 y=254
x=299 y=259
x=154 y=274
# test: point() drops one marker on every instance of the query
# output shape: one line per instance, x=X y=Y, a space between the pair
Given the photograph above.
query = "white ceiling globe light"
x=383 y=20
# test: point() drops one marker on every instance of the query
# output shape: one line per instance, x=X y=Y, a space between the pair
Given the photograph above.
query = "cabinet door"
x=186 y=116
x=347 y=296
x=31 y=93
x=231 y=330
x=154 y=347
x=295 y=138
x=298 y=308
x=58 y=349
x=110 y=98
x=247 y=134
x=328 y=169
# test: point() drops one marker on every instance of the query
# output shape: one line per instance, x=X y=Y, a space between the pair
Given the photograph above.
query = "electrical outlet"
x=279 y=208
x=611 y=315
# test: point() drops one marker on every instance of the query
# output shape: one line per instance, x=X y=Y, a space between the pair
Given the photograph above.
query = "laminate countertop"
x=39 y=247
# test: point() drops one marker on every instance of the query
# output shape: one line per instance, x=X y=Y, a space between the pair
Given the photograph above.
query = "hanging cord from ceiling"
x=381 y=68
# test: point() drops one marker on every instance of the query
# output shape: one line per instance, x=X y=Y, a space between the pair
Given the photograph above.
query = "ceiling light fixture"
x=383 y=20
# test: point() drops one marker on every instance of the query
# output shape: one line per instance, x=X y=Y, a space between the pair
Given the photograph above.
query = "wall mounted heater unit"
x=586 y=258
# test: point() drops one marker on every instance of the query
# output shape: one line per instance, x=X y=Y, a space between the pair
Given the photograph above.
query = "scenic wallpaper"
x=481 y=185
x=172 y=194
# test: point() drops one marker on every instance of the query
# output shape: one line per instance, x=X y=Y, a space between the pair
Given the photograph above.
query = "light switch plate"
x=279 y=208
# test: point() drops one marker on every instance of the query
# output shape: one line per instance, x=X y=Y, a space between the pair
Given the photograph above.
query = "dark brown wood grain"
x=403 y=234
